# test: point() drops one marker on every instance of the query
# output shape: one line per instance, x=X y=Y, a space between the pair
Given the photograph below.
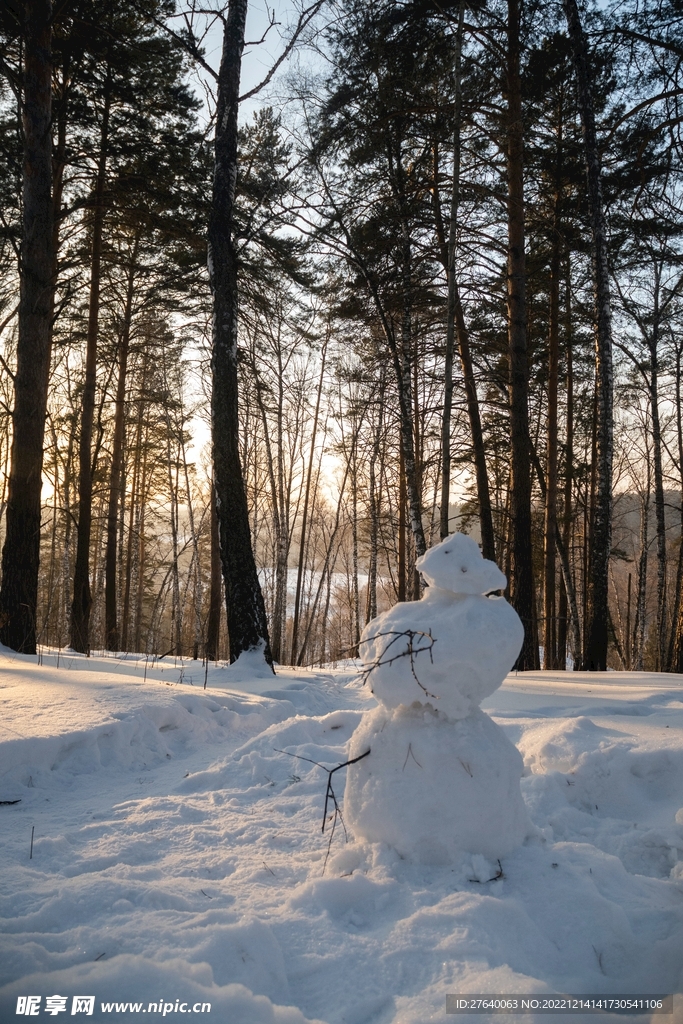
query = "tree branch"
x=304 y=18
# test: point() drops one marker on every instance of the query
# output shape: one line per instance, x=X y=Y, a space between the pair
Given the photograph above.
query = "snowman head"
x=458 y=565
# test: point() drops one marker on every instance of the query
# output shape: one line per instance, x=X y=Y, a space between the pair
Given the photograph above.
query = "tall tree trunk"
x=173 y=462
x=137 y=462
x=355 y=606
x=59 y=113
x=457 y=326
x=304 y=516
x=65 y=589
x=639 y=623
x=21 y=550
x=455 y=323
x=522 y=595
x=403 y=354
x=401 y=568
x=279 y=552
x=414 y=580
x=596 y=633
x=374 y=506
x=279 y=622
x=247 y=625
x=214 y=620
x=112 y=636
x=141 y=550
x=198 y=590
x=330 y=557
x=82 y=599
x=408 y=424
x=675 y=658
x=46 y=630
x=660 y=513
x=628 y=638
x=450 y=274
x=565 y=608
x=550 y=658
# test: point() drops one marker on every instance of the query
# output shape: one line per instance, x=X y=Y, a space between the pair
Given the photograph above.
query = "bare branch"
x=271 y=23
x=410 y=652
x=304 y=18
x=189 y=43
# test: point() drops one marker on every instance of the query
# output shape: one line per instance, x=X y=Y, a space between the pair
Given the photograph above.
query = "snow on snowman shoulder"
x=442 y=778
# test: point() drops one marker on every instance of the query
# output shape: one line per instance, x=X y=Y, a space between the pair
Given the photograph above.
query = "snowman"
x=442 y=779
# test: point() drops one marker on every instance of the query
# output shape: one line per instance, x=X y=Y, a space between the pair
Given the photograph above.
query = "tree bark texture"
x=375 y=504
x=596 y=632
x=660 y=517
x=135 y=501
x=450 y=274
x=113 y=639
x=82 y=599
x=568 y=618
x=456 y=327
x=675 y=656
x=303 y=539
x=401 y=568
x=639 y=623
x=213 y=624
x=408 y=423
x=522 y=595
x=21 y=551
x=247 y=625
x=403 y=355
x=550 y=659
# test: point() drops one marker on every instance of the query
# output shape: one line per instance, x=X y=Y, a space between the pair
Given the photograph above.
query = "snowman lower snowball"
x=442 y=778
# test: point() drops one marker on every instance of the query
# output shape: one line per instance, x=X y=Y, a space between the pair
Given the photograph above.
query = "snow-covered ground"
x=178 y=856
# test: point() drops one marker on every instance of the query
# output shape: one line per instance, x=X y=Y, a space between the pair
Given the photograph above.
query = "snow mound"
x=138 y=740
x=620 y=795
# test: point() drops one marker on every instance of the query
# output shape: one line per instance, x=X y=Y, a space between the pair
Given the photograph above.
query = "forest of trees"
x=433 y=282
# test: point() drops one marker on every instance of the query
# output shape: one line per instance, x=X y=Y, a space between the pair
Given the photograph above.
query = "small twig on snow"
x=498 y=875
x=410 y=754
x=599 y=959
x=329 y=793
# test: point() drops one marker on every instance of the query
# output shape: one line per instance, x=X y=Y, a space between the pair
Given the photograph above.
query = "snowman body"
x=442 y=778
